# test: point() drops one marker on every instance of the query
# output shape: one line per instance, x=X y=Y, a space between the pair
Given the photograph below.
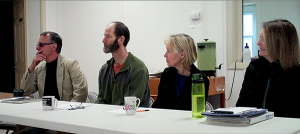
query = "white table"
x=96 y=119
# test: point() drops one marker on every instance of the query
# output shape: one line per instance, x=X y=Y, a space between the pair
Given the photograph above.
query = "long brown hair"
x=282 y=42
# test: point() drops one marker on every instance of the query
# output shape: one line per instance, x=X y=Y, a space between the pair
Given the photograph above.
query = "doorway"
x=14 y=44
x=19 y=40
x=8 y=65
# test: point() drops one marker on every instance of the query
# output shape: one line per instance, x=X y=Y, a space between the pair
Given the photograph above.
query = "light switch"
x=195 y=15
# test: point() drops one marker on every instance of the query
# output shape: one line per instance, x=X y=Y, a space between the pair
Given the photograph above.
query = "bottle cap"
x=196 y=76
x=246 y=45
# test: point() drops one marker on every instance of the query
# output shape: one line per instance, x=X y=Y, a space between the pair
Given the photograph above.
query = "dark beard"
x=109 y=48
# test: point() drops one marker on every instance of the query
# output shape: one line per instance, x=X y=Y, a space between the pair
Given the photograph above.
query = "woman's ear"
x=182 y=55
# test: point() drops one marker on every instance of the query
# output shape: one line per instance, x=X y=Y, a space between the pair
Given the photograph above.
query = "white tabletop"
x=97 y=119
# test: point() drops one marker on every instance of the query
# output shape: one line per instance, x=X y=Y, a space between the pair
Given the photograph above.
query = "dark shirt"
x=267 y=85
x=50 y=88
x=180 y=80
x=167 y=90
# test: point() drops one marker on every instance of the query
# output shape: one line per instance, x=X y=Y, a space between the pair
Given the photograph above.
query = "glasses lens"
x=42 y=44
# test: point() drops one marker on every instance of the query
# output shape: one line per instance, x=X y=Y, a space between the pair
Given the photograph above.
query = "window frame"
x=234 y=35
x=249 y=8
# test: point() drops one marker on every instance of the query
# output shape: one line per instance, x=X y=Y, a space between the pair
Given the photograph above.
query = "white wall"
x=32 y=27
x=269 y=10
x=82 y=23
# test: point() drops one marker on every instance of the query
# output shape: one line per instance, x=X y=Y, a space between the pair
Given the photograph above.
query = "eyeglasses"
x=42 y=44
x=74 y=107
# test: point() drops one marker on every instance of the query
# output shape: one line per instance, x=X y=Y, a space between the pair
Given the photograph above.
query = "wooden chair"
x=153 y=84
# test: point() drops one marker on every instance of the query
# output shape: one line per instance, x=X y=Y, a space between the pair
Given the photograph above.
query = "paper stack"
x=238 y=115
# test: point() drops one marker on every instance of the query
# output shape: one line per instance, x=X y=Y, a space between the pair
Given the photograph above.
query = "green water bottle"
x=198 y=96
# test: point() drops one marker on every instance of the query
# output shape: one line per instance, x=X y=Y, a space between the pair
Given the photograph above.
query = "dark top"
x=167 y=90
x=180 y=80
x=50 y=88
x=267 y=86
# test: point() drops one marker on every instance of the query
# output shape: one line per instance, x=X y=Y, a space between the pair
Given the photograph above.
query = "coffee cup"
x=18 y=93
x=131 y=105
x=49 y=102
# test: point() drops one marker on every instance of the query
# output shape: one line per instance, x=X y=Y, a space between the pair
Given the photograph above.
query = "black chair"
x=7 y=126
x=15 y=127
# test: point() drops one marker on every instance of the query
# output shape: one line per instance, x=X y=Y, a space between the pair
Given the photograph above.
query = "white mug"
x=49 y=102
x=131 y=105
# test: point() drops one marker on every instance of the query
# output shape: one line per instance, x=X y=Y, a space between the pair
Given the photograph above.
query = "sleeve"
x=242 y=100
x=79 y=83
x=101 y=77
x=139 y=84
x=100 y=98
x=29 y=82
x=158 y=103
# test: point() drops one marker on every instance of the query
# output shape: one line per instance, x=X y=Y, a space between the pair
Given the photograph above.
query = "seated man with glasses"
x=51 y=74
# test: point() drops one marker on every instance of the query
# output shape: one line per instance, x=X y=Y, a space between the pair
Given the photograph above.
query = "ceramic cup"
x=131 y=105
x=49 y=102
x=18 y=92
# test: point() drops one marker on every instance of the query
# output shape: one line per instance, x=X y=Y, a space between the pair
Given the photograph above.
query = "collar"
x=127 y=62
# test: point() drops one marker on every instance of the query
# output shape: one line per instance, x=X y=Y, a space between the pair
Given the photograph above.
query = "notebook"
x=20 y=100
x=235 y=112
x=241 y=120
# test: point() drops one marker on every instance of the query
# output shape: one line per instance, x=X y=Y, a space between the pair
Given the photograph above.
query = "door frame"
x=42 y=28
x=43 y=15
x=21 y=45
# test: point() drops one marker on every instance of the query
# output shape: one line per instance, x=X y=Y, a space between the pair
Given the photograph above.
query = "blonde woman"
x=272 y=81
x=174 y=90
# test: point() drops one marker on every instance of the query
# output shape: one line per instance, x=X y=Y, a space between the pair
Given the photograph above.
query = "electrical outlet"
x=195 y=23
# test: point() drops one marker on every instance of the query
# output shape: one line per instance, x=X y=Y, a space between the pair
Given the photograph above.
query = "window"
x=264 y=11
x=249 y=27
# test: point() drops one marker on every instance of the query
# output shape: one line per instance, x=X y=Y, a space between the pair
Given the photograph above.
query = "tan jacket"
x=71 y=81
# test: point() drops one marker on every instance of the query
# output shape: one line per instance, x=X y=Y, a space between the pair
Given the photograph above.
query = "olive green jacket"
x=131 y=80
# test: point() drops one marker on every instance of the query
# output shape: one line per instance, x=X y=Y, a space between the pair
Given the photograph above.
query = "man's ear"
x=121 y=40
x=54 y=46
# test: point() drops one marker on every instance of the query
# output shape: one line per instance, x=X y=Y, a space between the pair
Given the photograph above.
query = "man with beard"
x=124 y=74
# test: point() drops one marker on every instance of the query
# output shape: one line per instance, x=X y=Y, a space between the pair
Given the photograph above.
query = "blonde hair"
x=282 y=42
x=182 y=42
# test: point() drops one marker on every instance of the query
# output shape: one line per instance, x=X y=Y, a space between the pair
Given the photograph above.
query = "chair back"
x=151 y=102
x=208 y=106
x=92 y=97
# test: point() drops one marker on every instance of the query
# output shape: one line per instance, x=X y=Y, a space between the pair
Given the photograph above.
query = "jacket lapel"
x=42 y=77
x=59 y=75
